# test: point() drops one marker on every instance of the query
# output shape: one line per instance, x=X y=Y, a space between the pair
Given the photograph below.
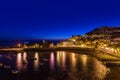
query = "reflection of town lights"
x=52 y=60
x=24 y=56
x=36 y=62
x=84 y=59
x=58 y=58
x=19 y=61
x=63 y=59
x=73 y=60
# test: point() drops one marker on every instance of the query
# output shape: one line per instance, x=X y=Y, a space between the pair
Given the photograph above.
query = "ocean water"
x=14 y=42
x=58 y=65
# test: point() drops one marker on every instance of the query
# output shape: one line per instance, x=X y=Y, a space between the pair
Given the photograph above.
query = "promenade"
x=11 y=49
x=101 y=55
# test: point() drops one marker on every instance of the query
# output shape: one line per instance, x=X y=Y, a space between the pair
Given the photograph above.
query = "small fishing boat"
x=25 y=62
x=1 y=64
x=7 y=66
x=8 y=57
x=1 y=55
x=15 y=71
x=45 y=59
x=34 y=58
x=41 y=63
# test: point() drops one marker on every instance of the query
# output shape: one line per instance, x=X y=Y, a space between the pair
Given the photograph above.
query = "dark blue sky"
x=57 y=19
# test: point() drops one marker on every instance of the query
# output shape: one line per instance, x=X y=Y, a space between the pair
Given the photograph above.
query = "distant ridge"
x=106 y=30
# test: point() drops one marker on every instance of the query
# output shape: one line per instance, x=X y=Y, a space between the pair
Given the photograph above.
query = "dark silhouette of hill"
x=113 y=32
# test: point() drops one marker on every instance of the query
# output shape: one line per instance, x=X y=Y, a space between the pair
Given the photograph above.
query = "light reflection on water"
x=65 y=65
x=52 y=61
x=95 y=70
x=84 y=60
x=24 y=56
x=58 y=58
x=25 y=61
x=73 y=60
x=63 y=60
x=36 y=62
x=19 y=61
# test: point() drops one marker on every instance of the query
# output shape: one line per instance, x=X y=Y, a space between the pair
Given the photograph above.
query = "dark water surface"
x=59 y=65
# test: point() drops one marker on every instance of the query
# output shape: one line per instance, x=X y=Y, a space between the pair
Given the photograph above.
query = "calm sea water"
x=59 y=65
x=13 y=43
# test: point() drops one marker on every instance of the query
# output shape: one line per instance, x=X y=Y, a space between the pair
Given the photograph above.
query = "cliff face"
x=111 y=31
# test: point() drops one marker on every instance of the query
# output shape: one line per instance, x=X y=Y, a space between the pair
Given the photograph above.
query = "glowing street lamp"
x=19 y=45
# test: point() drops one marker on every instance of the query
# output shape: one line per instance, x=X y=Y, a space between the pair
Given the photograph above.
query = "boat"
x=1 y=64
x=25 y=62
x=15 y=71
x=1 y=55
x=8 y=57
x=34 y=58
x=41 y=63
x=45 y=59
x=7 y=66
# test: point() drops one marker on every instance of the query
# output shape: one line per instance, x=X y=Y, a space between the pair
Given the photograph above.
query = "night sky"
x=55 y=19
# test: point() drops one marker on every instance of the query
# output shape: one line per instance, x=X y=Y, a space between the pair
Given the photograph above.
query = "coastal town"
x=60 y=40
x=104 y=39
x=101 y=47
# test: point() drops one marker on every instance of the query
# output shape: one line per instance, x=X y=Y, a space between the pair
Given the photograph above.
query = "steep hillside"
x=113 y=32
